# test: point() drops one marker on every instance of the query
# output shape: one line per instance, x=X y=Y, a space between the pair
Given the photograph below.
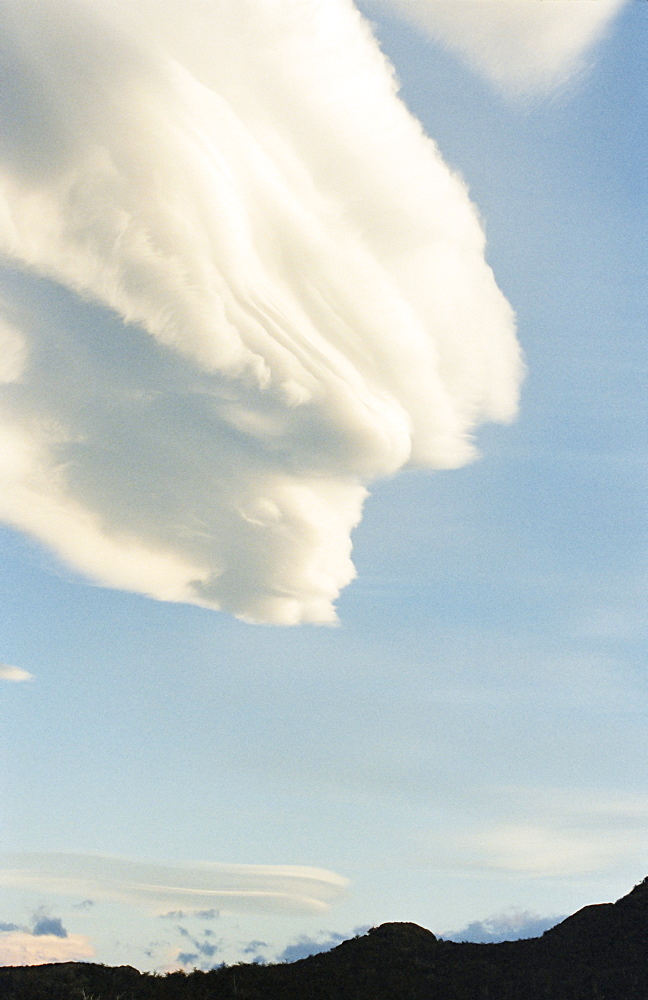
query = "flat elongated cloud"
x=14 y=674
x=520 y=45
x=265 y=888
x=239 y=284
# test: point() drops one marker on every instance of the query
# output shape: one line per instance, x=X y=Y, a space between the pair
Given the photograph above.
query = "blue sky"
x=468 y=742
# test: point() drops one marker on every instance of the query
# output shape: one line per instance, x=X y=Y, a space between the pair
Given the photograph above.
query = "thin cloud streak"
x=232 y=888
x=239 y=285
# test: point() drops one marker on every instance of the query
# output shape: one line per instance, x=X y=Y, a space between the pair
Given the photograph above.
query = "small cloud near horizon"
x=53 y=926
x=512 y=926
x=47 y=942
x=252 y=947
x=23 y=948
x=306 y=946
x=203 y=953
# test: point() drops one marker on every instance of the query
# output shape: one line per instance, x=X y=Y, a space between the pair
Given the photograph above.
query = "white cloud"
x=192 y=887
x=14 y=674
x=240 y=284
x=520 y=45
x=22 y=948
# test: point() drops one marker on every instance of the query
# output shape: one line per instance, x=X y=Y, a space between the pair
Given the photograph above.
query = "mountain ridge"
x=600 y=952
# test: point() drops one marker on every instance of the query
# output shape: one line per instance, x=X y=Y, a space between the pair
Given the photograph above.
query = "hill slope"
x=599 y=953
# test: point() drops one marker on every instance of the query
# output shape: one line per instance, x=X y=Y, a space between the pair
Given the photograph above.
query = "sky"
x=322 y=466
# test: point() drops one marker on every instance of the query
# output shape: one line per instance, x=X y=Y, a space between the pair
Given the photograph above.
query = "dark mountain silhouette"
x=599 y=953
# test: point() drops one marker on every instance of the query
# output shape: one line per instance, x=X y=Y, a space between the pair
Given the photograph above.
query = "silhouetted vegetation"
x=599 y=953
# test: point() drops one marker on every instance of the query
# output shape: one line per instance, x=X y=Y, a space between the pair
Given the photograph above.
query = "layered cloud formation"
x=231 y=888
x=238 y=285
x=520 y=45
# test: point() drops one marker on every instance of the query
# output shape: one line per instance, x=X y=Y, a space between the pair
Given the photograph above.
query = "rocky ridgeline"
x=599 y=953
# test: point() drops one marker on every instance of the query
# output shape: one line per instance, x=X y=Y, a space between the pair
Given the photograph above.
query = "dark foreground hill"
x=599 y=953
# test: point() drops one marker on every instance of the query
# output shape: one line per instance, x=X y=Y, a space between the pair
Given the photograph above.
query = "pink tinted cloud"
x=22 y=948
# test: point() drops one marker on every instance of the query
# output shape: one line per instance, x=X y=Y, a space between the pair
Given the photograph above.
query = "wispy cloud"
x=265 y=888
x=535 y=849
x=556 y=833
x=240 y=285
x=14 y=674
x=522 y=46
x=85 y=904
x=181 y=914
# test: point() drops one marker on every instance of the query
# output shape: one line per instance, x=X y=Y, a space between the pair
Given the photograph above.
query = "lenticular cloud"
x=238 y=284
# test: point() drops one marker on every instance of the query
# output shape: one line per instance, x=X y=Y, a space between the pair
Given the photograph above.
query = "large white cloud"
x=239 y=284
x=520 y=45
